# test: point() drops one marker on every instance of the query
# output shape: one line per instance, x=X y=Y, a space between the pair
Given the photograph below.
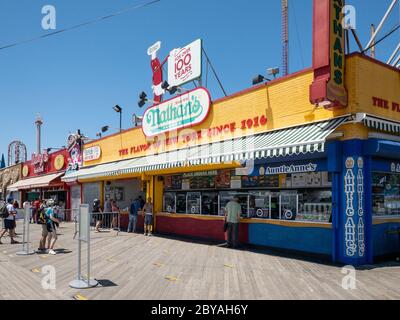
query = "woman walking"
x=115 y=213
x=97 y=214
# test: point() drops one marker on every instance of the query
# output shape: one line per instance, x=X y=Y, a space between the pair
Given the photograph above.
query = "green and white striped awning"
x=297 y=140
x=381 y=124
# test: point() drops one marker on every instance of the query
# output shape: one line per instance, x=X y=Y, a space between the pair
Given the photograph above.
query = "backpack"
x=4 y=212
x=42 y=216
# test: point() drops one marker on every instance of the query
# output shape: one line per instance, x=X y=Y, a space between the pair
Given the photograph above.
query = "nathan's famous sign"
x=186 y=110
x=328 y=88
x=336 y=90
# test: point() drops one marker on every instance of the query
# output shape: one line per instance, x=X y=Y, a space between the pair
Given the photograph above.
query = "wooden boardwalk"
x=132 y=266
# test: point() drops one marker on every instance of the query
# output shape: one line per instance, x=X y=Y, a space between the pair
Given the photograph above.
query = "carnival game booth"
x=41 y=178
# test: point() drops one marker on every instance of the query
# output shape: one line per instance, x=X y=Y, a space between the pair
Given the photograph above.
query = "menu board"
x=186 y=184
x=207 y=182
x=168 y=182
x=236 y=182
x=313 y=179
x=287 y=181
x=176 y=182
x=250 y=181
x=326 y=179
x=270 y=181
x=298 y=180
x=173 y=182
x=223 y=179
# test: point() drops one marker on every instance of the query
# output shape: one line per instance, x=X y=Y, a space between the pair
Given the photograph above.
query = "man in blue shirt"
x=133 y=214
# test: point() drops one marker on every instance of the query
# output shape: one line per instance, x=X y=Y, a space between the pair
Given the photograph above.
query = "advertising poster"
x=236 y=182
x=223 y=179
x=186 y=184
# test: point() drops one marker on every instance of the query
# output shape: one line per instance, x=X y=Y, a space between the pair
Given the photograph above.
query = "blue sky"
x=74 y=79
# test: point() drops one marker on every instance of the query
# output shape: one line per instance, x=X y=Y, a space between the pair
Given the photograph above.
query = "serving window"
x=297 y=197
x=385 y=194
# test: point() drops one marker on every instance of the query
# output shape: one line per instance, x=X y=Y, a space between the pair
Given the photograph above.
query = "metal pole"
x=396 y=62
x=88 y=262
x=215 y=73
x=120 y=121
x=29 y=209
x=24 y=233
x=270 y=207
x=394 y=54
x=373 y=42
x=380 y=24
x=79 y=254
x=119 y=223
x=25 y=236
x=248 y=206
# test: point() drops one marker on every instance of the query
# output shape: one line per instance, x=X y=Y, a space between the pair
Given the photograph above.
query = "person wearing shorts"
x=45 y=233
x=97 y=214
x=115 y=212
x=148 y=210
x=51 y=225
x=9 y=222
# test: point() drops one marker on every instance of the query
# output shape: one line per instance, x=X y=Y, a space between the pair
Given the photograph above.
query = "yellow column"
x=155 y=187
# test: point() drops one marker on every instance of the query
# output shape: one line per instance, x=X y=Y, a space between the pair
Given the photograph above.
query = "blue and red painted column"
x=353 y=221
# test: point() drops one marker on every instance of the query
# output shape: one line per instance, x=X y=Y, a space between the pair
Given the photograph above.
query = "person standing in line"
x=98 y=214
x=133 y=214
x=16 y=206
x=52 y=224
x=42 y=219
x=36 y=206
x=233 y=210
x=115 y=212
x=107 y=211
x=148 y=210
x=9 y=221
x=141 y=201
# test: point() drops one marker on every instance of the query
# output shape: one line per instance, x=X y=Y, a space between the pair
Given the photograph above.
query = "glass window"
x=315 y=205
x=169 y=202
x=194 y=202
x=385 y=194
x=181 y=203
x=259 y=204
x=226 y=196
x=209 y=203
x=288 y=205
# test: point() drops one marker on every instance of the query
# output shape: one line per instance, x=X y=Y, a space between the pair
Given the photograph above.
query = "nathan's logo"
x=336 y=89
x=186 y=110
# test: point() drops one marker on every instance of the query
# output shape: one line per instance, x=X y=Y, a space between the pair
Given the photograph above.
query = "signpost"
x=184 y=64
x=25 y=237
x=83 y=236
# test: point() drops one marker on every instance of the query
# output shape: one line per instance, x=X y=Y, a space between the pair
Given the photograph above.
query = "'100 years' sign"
x=186 y=110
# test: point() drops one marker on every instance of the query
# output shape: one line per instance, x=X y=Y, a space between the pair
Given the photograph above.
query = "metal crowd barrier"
x=109 y=221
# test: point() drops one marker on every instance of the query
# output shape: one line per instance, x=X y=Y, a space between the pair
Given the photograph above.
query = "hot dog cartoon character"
x=156 y=67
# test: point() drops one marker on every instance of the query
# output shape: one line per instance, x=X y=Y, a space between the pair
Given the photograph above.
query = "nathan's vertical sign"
x=328 y=88
x=336 y=90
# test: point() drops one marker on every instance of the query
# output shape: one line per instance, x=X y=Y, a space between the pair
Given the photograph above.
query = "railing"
x=108 y=221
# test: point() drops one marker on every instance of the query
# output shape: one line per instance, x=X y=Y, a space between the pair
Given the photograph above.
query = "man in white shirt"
x=9 y=221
